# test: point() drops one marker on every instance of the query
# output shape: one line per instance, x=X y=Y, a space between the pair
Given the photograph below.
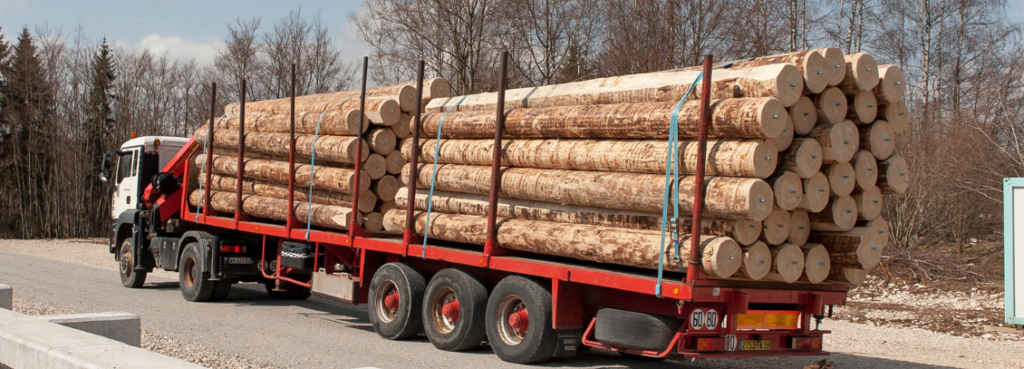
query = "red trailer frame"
x=782 y=316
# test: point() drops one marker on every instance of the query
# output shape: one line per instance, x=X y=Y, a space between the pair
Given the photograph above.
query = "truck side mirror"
x=105 y=167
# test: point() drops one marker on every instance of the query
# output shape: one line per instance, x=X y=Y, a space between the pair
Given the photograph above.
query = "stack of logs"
x=326 y=126
x=800 y=152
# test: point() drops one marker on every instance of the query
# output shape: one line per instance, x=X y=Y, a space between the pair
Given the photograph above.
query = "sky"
x=183 y=28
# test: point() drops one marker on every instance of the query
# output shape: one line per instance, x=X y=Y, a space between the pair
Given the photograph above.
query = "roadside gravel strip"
x=251 y=331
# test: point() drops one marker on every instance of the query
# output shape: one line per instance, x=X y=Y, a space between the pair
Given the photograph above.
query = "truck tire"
x=454 y=309
x=221 y=289
x=395 y=301
x=129 y=276
x=291 y=291
x=633 y=330
x=194 y=283
x=519 y=321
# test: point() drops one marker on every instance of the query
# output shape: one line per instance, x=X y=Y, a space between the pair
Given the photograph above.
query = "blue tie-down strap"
x=433 y=174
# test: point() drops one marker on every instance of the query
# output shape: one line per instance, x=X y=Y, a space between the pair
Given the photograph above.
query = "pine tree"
x=100 y=126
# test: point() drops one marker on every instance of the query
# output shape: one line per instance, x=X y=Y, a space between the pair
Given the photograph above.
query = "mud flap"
x=568 y=341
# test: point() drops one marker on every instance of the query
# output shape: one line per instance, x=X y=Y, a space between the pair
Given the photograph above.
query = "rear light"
x=232 y=248
x=805 y=343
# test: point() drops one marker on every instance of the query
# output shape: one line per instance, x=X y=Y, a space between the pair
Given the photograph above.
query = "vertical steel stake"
x=354 y=224
x=209 y=149
x=291 y=159
x=241 y=156
x=410 y=225
x=693 y=267
x=491 y=244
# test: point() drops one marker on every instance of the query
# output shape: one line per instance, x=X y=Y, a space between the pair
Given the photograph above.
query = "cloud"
x=179 y=48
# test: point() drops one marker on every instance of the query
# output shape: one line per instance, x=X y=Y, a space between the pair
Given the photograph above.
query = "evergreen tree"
x=100 y=127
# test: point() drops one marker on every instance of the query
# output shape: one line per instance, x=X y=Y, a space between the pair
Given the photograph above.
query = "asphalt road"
x=319 y=333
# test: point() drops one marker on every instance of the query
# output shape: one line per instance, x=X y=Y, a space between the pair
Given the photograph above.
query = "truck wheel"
x=194 y=283
x=454 y=309
x=129 y=276
x=633 y=330
x=221 y=289
x=395 y=301
x=519 y=321
x=291 y=291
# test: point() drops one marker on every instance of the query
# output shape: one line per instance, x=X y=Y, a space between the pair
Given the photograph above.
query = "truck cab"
x=129 y=169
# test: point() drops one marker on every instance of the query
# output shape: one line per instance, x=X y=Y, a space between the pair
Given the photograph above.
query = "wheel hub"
x=450 y=310
x=126 y=264
x=387 y=301
x=513 y=320
x=520 y=320
x=391 y=301
x=444 y=310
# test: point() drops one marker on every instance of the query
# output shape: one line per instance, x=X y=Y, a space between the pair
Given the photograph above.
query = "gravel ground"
x=899 y=326
x=155 y=341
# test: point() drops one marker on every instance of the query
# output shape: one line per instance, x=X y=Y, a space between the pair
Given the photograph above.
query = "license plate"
x=753 y=345
x=238 y=260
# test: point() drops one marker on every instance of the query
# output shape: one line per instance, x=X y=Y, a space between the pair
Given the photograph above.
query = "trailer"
x=527 y=307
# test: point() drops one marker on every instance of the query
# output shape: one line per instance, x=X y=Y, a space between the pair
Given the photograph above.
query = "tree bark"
x=733 y=158
x=782 y=81
x=861 y=73
x=893 y=175
x=727 y=197
x=327 y=179
x=334 y=122
x=721 y=257
x=745 y=232
x=340 y=149
x=839 y=141
x=879 y=139
x=327 y=216
x=730 y=118
x=803 y=157
x=367 y=200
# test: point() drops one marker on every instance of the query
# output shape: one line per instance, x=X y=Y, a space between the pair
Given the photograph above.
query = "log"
x=803 y=157
x=367 y=200
x=839 y=141
x=375 y=166
x=804 y=115
x=744 y=232
x=720 y=256
x=859 y=247
x=866 y=167
x=879 y=139
x=785 y=139
x=317 y=103
x=835 y=63
x=864 y=107
x=335 y=122
x=403 y=128
x=433 y=88
x=891 y=84
x=897 y=115
x=842 y=179
x=386 y=188
x=327 y=216
x=816 y=193
x=787 y=189
x=893 y=175
x=776 y=227
x=384 y=206
x=406 y=96
x=848 y=276
x=734 y=158
x=861 y=73
x=373 y=222
x=340 y=149
x=328 y=179
x=727 y=197
x=730 y=118
x=869 y=203
x=880 y=227
x=787 y=263
x=810 y=64
x=816 y=263
x=781 y=81
x=839 y=215
x=799 y=227
x=395 y=162
x=757 y=262
x=382 y=140
x=831 y=106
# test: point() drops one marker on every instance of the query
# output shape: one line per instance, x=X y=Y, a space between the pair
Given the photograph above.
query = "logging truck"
x=528 y=307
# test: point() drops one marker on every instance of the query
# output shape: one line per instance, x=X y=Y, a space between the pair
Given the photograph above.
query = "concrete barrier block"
x=6 y=297
x=120 y=327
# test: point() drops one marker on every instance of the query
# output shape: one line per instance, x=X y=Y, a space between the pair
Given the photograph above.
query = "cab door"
x=126 y=182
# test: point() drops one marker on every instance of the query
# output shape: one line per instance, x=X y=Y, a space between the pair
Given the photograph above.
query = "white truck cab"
x=131 y=167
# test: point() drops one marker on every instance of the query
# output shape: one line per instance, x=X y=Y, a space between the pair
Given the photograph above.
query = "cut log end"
x=861 y=73
x=799 y=227
x=382 y=140
x=866 y=167
x=722 y=257
x=803 y=157
x=407 y=98
x=891 y=84
x=386 y=188
x=395 y=162
x=839 y=215
x=816 y=263
x=897 y=115
x=784 y=139
x=757 y=262
x=772 y=115
x=848 y=276
x=865 y=106
x=831 y=106
x=893 y=175
x=787 y=263
x=835 y=63
x=788 y=190
x=776 y=227
x=373 y=222
x=869 y=203
x=789 y=85
x=879 y=139
x=816 y=193
x=842 y=178
x=375 y=166
x=760 y=199
x=804 y=115
x=814 y=67
x=745 y=232
x=765 y=159
x=402 y=129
